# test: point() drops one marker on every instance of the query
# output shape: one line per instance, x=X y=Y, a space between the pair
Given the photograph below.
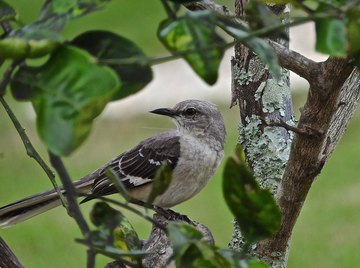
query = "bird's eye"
x=190 y=111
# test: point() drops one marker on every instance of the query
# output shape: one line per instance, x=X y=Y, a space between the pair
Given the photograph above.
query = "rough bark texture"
x=7 y=257
x=262 y=100
x=159 y=245
x=310 y=150
x=332 y=100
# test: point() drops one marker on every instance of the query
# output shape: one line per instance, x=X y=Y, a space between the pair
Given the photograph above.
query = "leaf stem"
x=134 y=210
x=7 y=76
x=171 y=14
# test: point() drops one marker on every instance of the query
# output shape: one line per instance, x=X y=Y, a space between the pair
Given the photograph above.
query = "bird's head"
x=198 y=118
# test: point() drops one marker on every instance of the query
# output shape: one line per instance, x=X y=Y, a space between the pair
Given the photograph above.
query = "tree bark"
x=7 y=257
x=159 y=244
x=262 y=100
x=332 y=100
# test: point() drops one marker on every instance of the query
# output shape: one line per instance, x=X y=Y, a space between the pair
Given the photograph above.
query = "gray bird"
x=193 y=151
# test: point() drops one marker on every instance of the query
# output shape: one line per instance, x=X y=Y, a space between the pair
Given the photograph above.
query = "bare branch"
x=210 y=5
x=71 y=194
x=7 y=257
x=72 y=207
x=294 y=61
x=7 y=76
x=308 y=155
x=283 y=124
x=30 y=149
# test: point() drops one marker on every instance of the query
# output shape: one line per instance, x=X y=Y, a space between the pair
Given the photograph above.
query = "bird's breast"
x=197 y=163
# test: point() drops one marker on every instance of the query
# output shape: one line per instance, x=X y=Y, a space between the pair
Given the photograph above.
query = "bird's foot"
x=171 y=215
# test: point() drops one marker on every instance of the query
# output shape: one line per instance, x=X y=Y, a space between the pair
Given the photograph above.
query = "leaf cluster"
x=77 y=78
x=80 y=76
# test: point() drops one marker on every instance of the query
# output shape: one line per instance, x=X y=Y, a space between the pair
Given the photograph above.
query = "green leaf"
x=161 y=182
x=114 y=237
x=18 y=48
x=190 y=251
x=238 y=260
x=67 y=92
x=41 y=37
x=259 y=46
x=7 y=12
x=113 y=223
x=195 y=32
x=331 y=37
x=70 y=8
x=132 y=68
x=180 y=234
x=260 y=16
x=254 y=208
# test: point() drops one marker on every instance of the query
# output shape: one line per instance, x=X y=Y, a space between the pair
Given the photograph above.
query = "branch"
x=325 y=113
x=7 y=257
x=159 y=244
x=73 y=208
x=295 y=62
x=211 y=5
x=30 y=149
x=7 y=76
x=349 y=100
x=71 y=194
x=288 y=58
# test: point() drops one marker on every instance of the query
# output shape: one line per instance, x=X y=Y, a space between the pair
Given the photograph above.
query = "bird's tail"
x=31 y=206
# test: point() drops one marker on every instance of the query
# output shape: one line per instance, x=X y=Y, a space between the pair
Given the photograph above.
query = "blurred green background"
x=327 y=233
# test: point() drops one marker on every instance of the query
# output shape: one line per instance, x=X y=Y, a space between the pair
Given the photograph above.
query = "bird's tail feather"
x=31 y=206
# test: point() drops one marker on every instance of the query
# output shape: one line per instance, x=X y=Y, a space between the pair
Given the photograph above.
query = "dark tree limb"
x=324 y=111
x=295 y=62
x=159 y=244
x=7 y=257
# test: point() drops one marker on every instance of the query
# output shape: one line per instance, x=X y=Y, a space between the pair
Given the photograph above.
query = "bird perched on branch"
x=193 y=151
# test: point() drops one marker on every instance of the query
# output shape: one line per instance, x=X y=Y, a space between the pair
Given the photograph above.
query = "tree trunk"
x=262 y=100
x=332 y=99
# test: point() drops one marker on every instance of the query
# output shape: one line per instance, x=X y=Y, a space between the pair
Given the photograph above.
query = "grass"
x=54 y=232
x=326 y=234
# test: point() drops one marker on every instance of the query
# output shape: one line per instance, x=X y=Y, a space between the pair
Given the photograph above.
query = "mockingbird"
x=193 y=151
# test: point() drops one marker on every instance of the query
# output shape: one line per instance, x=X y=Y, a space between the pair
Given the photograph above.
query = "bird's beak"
x=164 y=111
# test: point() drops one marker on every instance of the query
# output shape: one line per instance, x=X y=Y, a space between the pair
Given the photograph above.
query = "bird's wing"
x=138 y=166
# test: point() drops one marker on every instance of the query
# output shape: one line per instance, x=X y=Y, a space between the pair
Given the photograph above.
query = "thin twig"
x=71 y=194
x=171 y=14
x=6 y=26
x=73 y=208
x=7 y=76
x=90 y=258
x=30 y=149
x=134 y=210
x=283 y=124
